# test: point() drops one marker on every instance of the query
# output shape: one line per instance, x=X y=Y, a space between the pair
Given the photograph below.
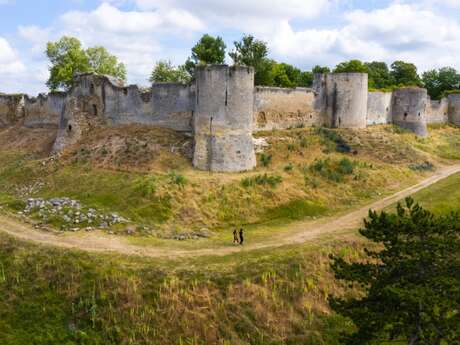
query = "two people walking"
x=238 y=237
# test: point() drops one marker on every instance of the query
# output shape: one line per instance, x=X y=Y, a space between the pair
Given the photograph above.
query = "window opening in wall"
x=91 y=89
x=125 y=91
x=69 y=128
x=405 y=115
x=94 y=110
x=418 y=114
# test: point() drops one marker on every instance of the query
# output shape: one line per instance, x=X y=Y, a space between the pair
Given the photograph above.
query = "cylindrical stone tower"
x=223 y=118
x=346 y=100
x=454 y=108
x=409 y=109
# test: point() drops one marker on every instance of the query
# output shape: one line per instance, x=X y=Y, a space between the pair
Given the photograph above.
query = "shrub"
x=333 y=170
x=289 y=167
x=345 y=166
x=265 y=159
x=425 y=166
x=262 y=180
x=330 y=136
x=177 y=179
x=146 y=186
x=291 y=147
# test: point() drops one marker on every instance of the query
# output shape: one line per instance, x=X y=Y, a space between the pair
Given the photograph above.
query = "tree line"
x=68 y=57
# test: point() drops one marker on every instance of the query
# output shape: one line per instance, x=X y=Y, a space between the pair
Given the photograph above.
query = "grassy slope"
x=51 y=296
x=99 y=172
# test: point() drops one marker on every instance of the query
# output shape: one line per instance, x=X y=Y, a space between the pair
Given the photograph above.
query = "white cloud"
x=9 y=60
x=400 y=31
x=109 y=18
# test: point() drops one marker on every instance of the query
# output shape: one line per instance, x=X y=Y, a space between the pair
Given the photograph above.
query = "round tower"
x=346 y=100
x=223 y=118
x=409 y=109
x=454 y=108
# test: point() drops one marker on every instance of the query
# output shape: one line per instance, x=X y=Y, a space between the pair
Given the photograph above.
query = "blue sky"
x=301 y=32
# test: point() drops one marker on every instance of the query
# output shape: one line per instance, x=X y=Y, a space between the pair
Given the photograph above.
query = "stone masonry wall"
x=379 y=108
x=437 y=111
x=11 y=110
x=44 y=110
x=279 y=108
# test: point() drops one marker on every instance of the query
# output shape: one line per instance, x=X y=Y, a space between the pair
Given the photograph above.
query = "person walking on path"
x=241 y=237
x=235 y=236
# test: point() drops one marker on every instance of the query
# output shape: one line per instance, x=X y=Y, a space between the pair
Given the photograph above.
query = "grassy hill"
x=145 y=175
x=274 y=296
x=52 y=296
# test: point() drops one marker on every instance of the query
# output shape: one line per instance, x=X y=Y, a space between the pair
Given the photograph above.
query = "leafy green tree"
x=405 y=74
x=306 y=79
x=209 y=50
x=251 y=52
x=352 y=66
x=319 y=69
x=67 y=57
x=102 y=62
x=379 y=75
x=280 y=76
x=410 y=282
x=165 y=72
x=439 y=81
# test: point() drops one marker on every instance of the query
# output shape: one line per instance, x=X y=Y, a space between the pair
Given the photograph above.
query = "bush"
x=333 y=170
x=262 y=180
x=177 y=179
x=289 y=167
x=425 y=166
x=265 y=159
x=146 y=186
x=329 y=136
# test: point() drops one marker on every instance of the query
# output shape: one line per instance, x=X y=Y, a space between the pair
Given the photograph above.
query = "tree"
x=251 y=52
x=352 y=66
x=411 y=282
x=102 y=62
x=379 y=75
x=165 y=72
x=439 y=81
x=209 y=50
x=405 y=74
x=319 y=70
x=68 y=58
x=306 y=79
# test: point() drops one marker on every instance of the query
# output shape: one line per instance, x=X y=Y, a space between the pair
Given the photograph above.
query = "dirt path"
x=299 y=232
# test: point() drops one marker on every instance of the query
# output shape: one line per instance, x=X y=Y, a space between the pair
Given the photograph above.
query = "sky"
x=301 y=32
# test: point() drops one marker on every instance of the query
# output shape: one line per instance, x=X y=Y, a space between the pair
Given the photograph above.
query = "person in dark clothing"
x=235 y=237
x=241 y=236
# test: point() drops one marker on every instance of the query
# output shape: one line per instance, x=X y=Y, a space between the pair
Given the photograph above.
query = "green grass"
x=442 y=197
x=51 y=296
x=296 y=210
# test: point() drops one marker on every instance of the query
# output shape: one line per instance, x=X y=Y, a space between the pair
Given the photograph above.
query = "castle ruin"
x=222 y=109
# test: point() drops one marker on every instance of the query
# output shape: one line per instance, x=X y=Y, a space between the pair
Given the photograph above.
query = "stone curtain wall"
x=11 y=110
x=168 y=105
x=379 y=108
x=279 y=108
x=454 y=109
x=44 y=110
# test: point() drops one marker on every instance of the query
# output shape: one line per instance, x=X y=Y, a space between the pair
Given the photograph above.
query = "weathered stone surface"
x=409 y=109
x=454 y=109
x=379 y=108
x=437 y=111
x=280 y=108
x=11 y=110
x=223 y=119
